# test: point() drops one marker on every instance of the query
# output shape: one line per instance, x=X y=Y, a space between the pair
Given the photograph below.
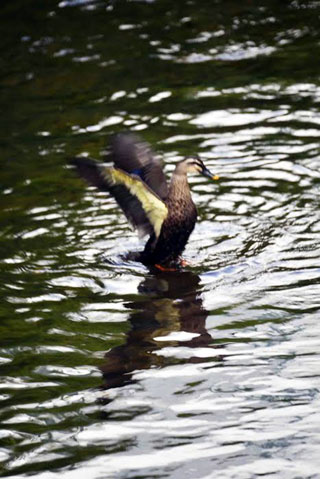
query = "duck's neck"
x=179 y=187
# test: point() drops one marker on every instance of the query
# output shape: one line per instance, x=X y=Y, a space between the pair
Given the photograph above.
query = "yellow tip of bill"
x=215 y=177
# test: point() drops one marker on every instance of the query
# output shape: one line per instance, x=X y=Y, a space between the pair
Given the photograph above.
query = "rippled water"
x=108 y=370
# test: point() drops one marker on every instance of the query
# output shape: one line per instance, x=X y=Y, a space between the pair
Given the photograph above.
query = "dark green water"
x=109 y=371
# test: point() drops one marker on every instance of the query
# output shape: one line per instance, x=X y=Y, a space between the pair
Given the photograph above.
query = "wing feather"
x=154 y=208
x=134 y=156
x=142 y=207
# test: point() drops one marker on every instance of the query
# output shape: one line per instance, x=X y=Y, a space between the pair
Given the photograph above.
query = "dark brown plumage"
x=137 y=182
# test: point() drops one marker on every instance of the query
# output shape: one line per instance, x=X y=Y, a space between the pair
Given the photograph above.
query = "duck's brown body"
x=137 y=182
x=176 y=228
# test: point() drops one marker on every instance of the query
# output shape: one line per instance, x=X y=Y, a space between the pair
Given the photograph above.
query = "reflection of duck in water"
x=137 y=182
x=169 y=303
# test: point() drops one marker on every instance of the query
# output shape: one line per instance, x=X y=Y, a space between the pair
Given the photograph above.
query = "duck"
x=136 y=180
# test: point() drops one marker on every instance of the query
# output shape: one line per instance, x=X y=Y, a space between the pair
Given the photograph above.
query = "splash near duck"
x=137 y=182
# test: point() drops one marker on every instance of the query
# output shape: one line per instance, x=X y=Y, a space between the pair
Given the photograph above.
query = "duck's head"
x=193 y=164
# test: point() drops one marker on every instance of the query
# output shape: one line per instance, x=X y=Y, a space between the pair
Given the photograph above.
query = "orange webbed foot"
x=184 y=262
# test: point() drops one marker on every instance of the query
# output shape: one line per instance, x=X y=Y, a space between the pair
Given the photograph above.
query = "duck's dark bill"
x=208 y=174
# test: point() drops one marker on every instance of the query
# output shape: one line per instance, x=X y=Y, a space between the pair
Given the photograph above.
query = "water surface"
x=109 y=370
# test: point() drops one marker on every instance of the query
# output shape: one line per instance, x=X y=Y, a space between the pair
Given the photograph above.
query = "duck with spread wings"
x=138 y=184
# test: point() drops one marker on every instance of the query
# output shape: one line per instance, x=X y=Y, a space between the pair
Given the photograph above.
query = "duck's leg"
x=164 y=268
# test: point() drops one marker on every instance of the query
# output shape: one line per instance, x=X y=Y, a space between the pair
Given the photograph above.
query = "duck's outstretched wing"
x=143 y=208
x=131 y=154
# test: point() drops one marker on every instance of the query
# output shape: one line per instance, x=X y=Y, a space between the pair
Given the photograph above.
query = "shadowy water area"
x=108 y=369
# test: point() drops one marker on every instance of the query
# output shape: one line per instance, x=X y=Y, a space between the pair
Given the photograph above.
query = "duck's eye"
x=198 y=164
x=195 y=164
